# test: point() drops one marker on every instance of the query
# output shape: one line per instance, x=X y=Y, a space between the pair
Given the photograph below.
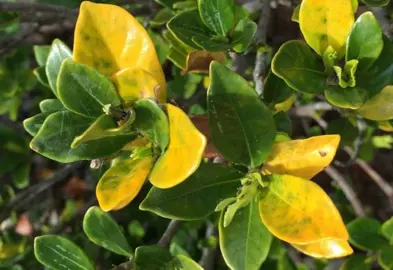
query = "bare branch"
x=209 y=253
x=347 y=189
x=170 y=231
x=261 y=38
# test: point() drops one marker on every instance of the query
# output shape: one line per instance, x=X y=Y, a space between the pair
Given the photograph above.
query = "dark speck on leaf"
x=322 y=153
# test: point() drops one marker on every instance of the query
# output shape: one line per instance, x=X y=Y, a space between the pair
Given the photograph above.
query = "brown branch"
x=261 y=38
x=347 y=189
x=170 y=231
x=209 y=253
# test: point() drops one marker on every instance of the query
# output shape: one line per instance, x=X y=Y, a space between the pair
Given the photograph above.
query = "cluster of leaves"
x=110 y=103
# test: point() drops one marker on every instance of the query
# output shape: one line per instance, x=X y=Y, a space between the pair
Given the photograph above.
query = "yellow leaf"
x=122 y=182
x=137 y=143
x=135 y=83
x=110 y=39
x=328 y=249
x=184 y=153
x=326 y=23
x=8 y=251
x=302 y=158
x=206 y=82
x=385 y=126
x=285 y=105
x=298 y=211
x=379 y=107
x=199 y=61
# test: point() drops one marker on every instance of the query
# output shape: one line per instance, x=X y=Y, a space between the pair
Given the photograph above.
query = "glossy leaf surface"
x=379 y=107
x=347 y=98
x=365 y=234
x=122 y=182
x=328 y=249
x=291 y=210
x=302 y=158
x=242 y=127
x=218 y=15
x=184 y=152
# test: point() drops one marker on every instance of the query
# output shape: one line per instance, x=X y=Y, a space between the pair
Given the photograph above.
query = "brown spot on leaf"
x=322 y=153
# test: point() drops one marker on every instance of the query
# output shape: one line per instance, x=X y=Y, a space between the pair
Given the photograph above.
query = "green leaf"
x=57 y=54
x=365 y=234
x=385 y=258
x=355 y=5
x=197 y=197
x=347 y=98
x=358 y=262
x=343 y=127
x=84 y=90
x=218 y=15
x=296 y=64
x=243 y=34
x=283 y=123
x=103 y=230
x=33 y=124
x=380 y=73
x=295 y=14
x=151 y=122
x=241 y=125
x=40 y=73
x=21 y=175
x=245 y=243
x=162 y=17
x=187 y=263
x=103 y=127
x=387 y=230
x=59 y=130
x=365 y=41
x=60 y=253
x=275 y=90
x=212 y=44
x=187 y=25
x=376 y=3
x=153 y=258
x=51 y=105
x=41 y=54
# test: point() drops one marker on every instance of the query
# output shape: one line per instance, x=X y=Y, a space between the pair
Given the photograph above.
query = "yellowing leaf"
x=184 y=152
x=328 y=249
x=199 y=61
x=8 y=251
x=122 y=182
x=385 y=126
x=285 y=105
x=326 y=23
x=298 y=211
x=110 y=39
x=302 y=158
x=379 y=107
x=135 y=83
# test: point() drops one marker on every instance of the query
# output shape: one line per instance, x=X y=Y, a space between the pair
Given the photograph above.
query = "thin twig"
x=27 y=195
x=170 y=231
x=209 y=253
x=347 y=189
x=261 y=38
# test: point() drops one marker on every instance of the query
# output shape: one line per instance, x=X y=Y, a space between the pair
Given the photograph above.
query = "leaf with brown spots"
x=302 y=158
x=199 y=61
x=298 y=211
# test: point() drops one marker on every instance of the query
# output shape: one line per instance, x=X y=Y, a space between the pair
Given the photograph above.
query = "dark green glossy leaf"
x=295 y=14
x=365 y=234
x=275 y=90
x=376 y=3
x=84 y=90
x=58 y=53
x=33 y=124
x=385 y=258
x=59 y=130
x=60 y=253
x=197 y=197
x=41 y=54
x=51 y=105
x=40 y=73
x=151 y=122
x=187 y=25
x=218 y=15
x=153 y=258
x=297 y=65
x=103 y=230
x=283 y=123
x=365 y=42
x=243 y=34
x=241 y=125
x=380 y=73
x=162 y=17
x=212 y=44
x=245 y=243
x=387 y=230
x=358 y=262
x=347 y=98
